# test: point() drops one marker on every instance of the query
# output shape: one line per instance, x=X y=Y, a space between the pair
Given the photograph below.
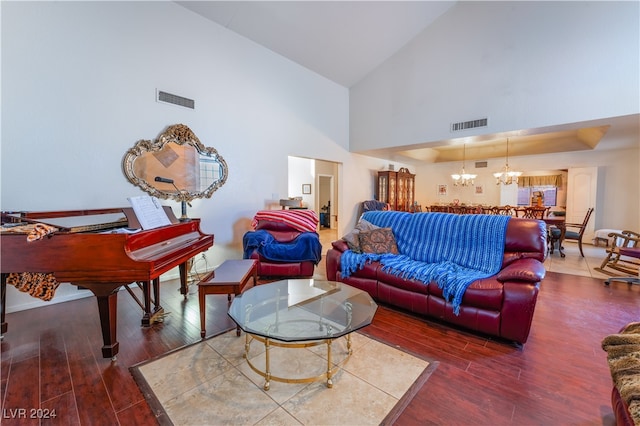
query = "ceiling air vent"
x=175 y=100
x=481 y=164
x=472 y=124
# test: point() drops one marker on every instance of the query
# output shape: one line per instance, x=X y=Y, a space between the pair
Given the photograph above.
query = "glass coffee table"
x=301 y=313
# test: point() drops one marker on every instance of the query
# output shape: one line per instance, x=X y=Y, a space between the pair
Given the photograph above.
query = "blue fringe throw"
x=449 y=249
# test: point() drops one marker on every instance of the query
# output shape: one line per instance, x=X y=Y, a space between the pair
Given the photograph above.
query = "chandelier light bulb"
x=507 y=176
x=463 y=178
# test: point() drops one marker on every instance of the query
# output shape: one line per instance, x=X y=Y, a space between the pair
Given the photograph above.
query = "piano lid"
x=87 y=222
x=84 y=223
x=75 y=221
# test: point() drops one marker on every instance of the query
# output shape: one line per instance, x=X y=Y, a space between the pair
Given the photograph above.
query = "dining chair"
x=532 y=212
x=555 y=229
x=439 y=209
x=504 y=210
x=473 y=210
x=575 y=234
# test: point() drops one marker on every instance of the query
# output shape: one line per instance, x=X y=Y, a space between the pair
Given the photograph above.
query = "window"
x=550 y=195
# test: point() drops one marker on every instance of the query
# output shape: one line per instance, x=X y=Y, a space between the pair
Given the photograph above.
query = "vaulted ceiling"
x=340 y=40
x=345 y=40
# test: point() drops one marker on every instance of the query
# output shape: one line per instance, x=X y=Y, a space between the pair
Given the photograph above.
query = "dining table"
x=559 y=222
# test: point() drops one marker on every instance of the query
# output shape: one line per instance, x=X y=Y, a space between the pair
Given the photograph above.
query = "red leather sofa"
x=620 y=409
x=501 y=305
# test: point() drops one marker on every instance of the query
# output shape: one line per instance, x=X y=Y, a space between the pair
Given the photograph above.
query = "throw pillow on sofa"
x=378 y=241
x=352 y=237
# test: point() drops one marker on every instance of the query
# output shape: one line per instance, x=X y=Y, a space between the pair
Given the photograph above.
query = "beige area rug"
x=210 y=383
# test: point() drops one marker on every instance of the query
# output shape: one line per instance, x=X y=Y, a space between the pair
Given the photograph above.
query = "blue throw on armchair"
x=306 y=247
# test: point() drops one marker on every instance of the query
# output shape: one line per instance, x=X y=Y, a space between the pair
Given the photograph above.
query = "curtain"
x=526 y=181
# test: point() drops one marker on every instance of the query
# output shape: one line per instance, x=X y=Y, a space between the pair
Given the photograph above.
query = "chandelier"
x=463 y=178
x=506 y=176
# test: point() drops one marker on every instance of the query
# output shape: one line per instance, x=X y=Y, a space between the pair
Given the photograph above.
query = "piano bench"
x=231 y=277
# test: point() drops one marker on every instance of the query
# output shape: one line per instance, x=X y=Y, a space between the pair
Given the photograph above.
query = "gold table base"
x=331 y=370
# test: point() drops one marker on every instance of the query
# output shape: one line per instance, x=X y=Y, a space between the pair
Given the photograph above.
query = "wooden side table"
x=231 y=277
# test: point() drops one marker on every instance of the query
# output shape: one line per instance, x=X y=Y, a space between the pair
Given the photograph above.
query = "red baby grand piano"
x=83 y=254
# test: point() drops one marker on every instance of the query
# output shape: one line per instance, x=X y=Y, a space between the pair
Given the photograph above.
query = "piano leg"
x=184 y=285
x=107 y=297
x=3 y=304
x=108 y=308
x=157 y=315
x=156 y=297
x=146 y=295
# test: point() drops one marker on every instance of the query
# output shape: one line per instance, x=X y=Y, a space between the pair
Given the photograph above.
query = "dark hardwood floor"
x=51 y=359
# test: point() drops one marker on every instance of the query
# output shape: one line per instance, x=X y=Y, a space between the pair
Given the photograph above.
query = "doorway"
x=582 y=193
x=325 y=202
x=324 y=192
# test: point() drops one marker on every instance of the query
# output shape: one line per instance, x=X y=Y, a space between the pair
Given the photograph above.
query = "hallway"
x=326 y=237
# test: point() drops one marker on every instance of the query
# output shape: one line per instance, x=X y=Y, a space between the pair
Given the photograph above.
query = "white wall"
x=302 y=172
x=78 y=90
x=523 y=65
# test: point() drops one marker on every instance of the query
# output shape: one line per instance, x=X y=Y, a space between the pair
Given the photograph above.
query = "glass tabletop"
x=302 y=309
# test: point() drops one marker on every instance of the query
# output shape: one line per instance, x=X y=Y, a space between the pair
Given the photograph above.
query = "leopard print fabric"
x=37 y=284
x=34 y=231
x=39 y=231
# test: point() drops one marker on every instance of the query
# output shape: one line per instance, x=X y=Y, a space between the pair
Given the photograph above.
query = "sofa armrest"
x=332 y=263
x=340 y=245
x=527 y=270
x=620 y=409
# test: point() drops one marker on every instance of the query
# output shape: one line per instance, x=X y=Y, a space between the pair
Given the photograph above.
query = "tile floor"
x=203 y=377
x=575 y=264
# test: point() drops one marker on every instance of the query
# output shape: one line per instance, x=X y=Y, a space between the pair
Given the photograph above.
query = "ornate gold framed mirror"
x=175 y=166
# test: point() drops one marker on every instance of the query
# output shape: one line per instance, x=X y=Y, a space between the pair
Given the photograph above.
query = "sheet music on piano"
x=149 y=211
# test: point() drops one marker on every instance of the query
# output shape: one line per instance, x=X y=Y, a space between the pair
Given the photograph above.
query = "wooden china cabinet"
x=396 y=188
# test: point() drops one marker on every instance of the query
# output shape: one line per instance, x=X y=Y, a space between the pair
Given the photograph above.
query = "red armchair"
x=284 y=242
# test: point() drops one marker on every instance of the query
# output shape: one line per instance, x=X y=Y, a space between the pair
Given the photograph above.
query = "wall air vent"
x=472 y=124
x=175 y=99
x=481 y=164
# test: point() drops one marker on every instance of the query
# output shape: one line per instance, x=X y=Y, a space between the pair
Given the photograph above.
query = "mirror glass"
x=175 y=166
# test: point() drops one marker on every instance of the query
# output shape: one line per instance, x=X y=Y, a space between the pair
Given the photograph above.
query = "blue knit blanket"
x=451 y=250
x=306 y=247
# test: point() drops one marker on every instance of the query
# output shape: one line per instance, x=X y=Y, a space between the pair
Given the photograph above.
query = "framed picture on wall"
x=442 y=190
x=306 y=188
